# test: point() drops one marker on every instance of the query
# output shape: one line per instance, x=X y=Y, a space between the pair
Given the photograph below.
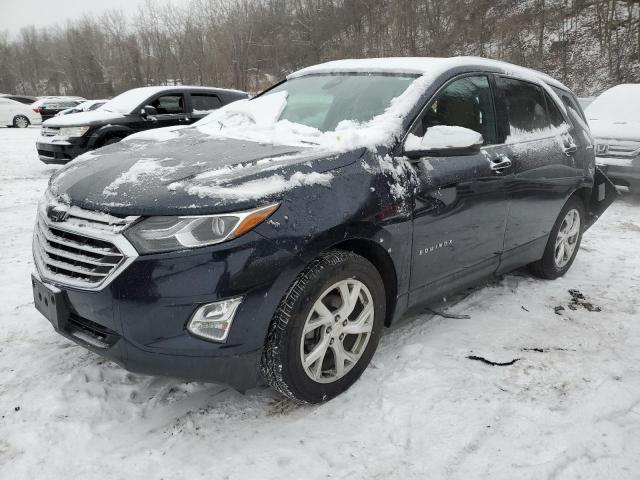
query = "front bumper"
x=621 y=171
x=139 y=320
x=54 y=151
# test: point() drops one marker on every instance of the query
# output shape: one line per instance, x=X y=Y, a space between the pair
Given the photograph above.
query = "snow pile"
x=255 y=189
x=156 y=134
x=143 y=168
x=444 y=136
x=620 y=104
x=257 y=120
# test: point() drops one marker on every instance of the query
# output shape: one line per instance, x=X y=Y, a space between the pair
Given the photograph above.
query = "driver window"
x=467 y=103
x=169 y=104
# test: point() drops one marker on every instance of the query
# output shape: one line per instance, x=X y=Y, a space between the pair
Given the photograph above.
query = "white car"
x=16 y=114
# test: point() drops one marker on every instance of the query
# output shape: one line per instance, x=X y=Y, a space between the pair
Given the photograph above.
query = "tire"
x=20 y=121
x=556 y=262
x=318 y=286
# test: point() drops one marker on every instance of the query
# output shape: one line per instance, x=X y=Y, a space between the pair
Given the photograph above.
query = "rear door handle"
x=570 y=150
x=500 y=164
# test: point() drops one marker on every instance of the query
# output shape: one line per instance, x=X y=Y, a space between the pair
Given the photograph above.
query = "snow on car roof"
x=423 y=66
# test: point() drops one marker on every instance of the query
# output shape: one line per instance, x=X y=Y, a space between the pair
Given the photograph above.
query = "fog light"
x=213 y=320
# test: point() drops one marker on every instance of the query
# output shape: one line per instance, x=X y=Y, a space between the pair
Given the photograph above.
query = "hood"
x=615 y=130
x=189 y=172
x=96 y=117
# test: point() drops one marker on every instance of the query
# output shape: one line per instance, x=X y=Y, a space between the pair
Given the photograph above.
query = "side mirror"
x=443 y=140
x=148 y=111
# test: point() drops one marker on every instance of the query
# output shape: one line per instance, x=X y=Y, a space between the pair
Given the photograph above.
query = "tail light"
x=37 y=109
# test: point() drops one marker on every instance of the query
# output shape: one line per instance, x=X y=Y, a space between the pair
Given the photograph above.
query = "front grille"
x=49 y=131
x=86 y=250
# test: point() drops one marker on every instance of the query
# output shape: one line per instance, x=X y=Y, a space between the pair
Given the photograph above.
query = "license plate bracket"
x=50 y=302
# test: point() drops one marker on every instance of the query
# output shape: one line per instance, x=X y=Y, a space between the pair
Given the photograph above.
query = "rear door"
x=460 y=201
x=202 y=104
x=543 y=150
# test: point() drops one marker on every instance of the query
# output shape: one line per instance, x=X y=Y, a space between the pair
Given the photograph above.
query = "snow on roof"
x=432 y=66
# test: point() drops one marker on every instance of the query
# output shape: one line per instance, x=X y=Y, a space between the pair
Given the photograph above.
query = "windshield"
x=339 y=111
x=618 y=104
x=323 y=101
x=127 y=101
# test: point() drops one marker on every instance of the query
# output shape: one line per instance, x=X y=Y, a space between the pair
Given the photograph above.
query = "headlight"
x=163 y=234
x=73 y=131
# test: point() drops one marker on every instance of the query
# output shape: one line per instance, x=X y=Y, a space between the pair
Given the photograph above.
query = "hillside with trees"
x=248 y=44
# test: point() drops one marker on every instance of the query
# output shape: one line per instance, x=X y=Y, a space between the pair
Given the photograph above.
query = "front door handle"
x=570 y=150
x=500 y=164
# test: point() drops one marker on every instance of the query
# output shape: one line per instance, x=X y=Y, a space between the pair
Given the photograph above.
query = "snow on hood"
x=192 y=171
x=617 y=130
x=82 y=118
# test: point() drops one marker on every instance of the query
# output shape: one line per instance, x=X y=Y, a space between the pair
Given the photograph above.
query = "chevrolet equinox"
x=277 y=236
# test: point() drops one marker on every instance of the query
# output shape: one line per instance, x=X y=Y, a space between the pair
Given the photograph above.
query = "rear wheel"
x=564 y=242
x=20 y=121
x=326 y=329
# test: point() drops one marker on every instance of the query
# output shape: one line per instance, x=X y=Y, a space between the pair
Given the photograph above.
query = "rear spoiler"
x=604 y=193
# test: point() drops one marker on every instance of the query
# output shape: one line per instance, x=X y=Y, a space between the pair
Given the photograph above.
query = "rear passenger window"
x=467 y=103
x=205 y=103
x=524 y=106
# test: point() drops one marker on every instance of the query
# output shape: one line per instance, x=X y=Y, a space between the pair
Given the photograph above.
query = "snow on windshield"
x=339 y=112
x=127 y=101
x=620 y=103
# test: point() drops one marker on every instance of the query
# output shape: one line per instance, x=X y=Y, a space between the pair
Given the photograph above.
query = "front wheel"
x=326 y=328
x=564 y=242
x=20 y=121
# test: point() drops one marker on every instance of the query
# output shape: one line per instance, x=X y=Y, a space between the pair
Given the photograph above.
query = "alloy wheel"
x=337 y=330
x=567 y=238
x=21 y=121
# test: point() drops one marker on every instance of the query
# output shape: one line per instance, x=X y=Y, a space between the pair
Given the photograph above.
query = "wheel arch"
x=380 y=259
x=583 y=192
x=106 y=132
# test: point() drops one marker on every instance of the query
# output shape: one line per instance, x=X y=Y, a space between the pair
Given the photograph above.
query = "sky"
x=15 y=14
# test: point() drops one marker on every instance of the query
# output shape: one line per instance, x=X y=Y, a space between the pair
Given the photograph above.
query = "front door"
x=172 y=110
x=461 y=201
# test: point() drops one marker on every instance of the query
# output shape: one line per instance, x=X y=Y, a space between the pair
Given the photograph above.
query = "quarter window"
x=555 y=116
x=524 y=105
x=467 y=103
x=573 y=109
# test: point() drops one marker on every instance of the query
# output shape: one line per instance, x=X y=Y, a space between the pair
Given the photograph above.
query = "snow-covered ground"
x=569 y=408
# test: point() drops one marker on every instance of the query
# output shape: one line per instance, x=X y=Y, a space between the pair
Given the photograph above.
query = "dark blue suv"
x=276 y=237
